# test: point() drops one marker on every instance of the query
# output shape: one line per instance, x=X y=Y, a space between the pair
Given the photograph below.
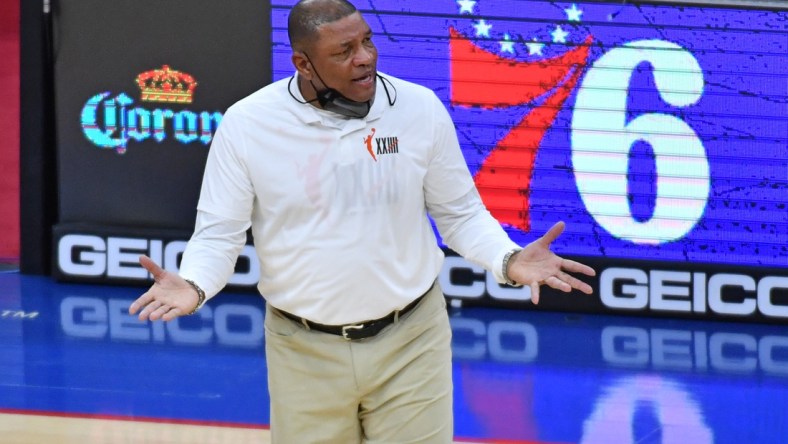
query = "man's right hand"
x=170 y=295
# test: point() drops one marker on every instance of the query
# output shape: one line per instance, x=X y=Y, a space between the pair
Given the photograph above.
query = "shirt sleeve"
x=455 y=205
x=224 y=210
x=227 y=188
x=210 y=256
x=469 y=229
x=447 y=175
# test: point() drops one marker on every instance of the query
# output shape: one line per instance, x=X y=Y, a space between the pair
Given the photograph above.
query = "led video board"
x=140 y=89
x=657 y=132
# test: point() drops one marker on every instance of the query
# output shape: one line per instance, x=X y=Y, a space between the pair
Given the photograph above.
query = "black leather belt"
x=361 y=330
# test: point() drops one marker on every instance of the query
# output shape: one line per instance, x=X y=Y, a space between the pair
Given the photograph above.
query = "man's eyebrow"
x=349 y=42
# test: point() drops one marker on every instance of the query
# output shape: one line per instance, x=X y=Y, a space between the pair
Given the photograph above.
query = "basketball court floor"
x=76 y=368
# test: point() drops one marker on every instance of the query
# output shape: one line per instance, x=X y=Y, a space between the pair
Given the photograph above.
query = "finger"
x=535 y=292
x=558 y=284
x=152 y=267
x=577 y=267
x=575 y=283
x=146 y=312
x=552 y=233
x=159 y=312
x=172 y=314
x=142 y=301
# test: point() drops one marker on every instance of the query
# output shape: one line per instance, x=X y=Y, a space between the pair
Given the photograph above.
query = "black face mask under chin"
x=332 y=100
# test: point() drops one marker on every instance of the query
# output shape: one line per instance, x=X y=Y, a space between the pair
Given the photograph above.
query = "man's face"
x=345 y=58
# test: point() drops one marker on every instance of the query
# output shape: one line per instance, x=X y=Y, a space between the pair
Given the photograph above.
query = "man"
x=335 y=170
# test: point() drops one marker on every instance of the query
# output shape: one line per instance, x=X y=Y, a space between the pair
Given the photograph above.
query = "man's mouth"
x=365 y=79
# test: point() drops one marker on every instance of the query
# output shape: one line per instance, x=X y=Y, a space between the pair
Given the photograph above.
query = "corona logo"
x=166 y=85
x=111 y=122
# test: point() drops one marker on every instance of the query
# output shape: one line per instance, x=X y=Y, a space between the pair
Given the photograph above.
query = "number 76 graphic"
x=601 y=137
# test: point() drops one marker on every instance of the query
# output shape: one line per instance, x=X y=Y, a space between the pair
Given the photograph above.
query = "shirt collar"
x=308 y=113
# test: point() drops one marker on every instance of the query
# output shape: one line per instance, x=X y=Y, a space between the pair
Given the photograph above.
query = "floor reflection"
x=678 y=418
x=556 y=377
x=520 y=376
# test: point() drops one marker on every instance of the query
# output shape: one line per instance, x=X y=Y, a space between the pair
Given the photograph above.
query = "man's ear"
x=302 y=65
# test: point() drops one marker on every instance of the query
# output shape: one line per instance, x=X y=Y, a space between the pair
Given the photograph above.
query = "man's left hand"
x=536 y=264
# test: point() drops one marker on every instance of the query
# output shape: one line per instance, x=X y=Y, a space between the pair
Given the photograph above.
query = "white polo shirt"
x=337 y=207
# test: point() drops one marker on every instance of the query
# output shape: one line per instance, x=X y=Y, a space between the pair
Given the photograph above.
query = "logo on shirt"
x=387 y=145
x=383 y=145
x=368 y=143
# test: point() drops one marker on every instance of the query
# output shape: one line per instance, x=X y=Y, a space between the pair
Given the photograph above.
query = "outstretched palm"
x=170 y=295
x=536 y=264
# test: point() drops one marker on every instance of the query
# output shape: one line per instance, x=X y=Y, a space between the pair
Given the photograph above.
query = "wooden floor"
x=38 y=429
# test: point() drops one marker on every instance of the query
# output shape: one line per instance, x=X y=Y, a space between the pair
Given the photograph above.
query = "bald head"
x=308 y=15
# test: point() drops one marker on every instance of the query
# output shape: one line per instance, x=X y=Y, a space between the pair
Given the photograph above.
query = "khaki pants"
x=392 y=388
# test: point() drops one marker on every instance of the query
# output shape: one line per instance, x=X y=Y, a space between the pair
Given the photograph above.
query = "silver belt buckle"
x=350 y=327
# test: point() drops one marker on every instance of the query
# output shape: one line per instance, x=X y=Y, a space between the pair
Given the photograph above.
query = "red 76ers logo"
x=481 y=78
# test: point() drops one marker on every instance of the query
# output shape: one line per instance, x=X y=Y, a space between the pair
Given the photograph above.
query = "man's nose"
x=365 y=56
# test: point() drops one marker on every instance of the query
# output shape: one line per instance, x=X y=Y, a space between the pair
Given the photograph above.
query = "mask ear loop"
x=383 y=82
x=303 y=102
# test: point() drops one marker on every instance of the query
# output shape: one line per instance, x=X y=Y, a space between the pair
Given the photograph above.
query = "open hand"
x=170 y=295
x=536 y=264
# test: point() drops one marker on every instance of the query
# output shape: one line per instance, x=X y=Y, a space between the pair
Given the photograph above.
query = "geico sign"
x=476 y=340
x=484 y=282
x=117 y=257
x=686 y=350
x=97 y=318
x=683 y=291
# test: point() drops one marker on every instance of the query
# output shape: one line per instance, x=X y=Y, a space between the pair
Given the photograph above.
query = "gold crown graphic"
x=166 y=85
